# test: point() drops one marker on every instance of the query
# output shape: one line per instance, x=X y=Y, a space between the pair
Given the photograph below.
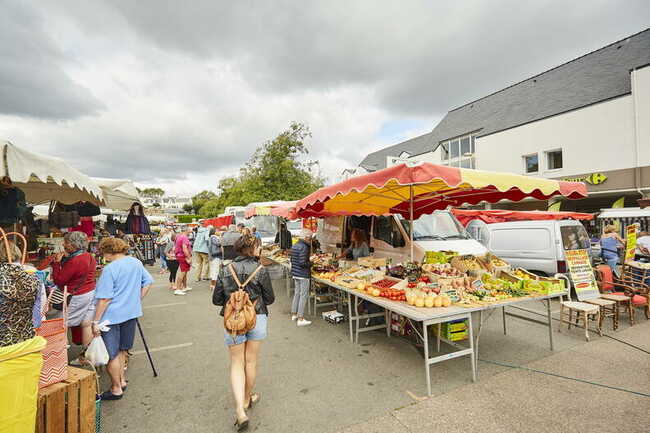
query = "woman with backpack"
x=245 y=318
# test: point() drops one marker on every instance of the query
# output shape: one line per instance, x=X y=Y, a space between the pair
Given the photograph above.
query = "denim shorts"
x=255 y=334
x=120 y=336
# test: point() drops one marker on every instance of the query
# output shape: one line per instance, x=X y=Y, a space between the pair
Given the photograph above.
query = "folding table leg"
x=550 y=323
x=503 y=314
x=474 y=355
x=425 y=335
x=350 y=316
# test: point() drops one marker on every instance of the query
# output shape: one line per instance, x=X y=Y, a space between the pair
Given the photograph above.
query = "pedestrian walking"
x=216 y=255
x=120 y=289
x=228 y=243
x=201 y=251
x=172 y=264
x=244 y=349
x=301 y=273
x=161 y=243
x=183 y=252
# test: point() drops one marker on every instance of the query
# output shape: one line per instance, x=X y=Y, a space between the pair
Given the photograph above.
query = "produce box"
x=494 y=264
x=453 y=331
x=439 y=256
x=552 y=285
x=372 y=262
x=348 y=282
x=469 y=264
x=398 y=283
x=68 y=406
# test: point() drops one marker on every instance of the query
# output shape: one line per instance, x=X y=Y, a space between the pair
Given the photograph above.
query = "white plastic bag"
x=96 y=352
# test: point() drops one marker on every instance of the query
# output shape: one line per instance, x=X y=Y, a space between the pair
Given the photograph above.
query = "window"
x=459 y=152
x=531 y=163
x=575 y=237
x=385 y=229
x=554 y=159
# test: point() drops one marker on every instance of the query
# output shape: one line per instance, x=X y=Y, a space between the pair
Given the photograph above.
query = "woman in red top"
x=76 y=269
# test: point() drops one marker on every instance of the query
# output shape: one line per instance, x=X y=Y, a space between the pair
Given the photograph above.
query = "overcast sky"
x=178 y=94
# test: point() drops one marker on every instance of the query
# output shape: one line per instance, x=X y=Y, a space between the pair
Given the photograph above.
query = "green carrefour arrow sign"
x=593 y=178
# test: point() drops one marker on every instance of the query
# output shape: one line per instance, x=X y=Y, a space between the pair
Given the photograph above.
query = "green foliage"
x=274 y=172
x=152 y=192
x=187 y=218
x=201 y=199
x=156 y=204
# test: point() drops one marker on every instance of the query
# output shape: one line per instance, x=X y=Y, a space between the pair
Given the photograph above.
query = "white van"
x=537 y=246
x=390 y=236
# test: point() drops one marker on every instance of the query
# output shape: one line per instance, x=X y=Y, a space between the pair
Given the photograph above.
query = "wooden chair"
x=583 y=311
x=613 y=291
x=636 y=284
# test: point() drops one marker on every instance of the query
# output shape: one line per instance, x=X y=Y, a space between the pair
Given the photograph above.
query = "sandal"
x=254 y=399
x=241 y=425
x=108 y=395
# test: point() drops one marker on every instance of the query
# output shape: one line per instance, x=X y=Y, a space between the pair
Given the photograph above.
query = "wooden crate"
x=68 y=406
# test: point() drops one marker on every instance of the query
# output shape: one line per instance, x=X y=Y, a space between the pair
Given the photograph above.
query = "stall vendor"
x=75 y=268
x=358 y=246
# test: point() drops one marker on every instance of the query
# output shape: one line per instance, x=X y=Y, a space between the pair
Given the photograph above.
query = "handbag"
x=55 y=354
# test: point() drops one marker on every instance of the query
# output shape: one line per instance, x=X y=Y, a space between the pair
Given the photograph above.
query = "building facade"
x=587 y=119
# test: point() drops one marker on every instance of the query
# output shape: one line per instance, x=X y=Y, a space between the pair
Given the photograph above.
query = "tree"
x=156 y=204
x=276 y=171
x=152 y=192
x=188 y=208
x=201 y=199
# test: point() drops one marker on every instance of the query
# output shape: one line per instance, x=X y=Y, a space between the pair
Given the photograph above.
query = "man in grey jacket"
x=201 y=253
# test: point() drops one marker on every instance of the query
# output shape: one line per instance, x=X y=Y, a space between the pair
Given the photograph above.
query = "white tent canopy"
x=44 y=178
x=119 y=194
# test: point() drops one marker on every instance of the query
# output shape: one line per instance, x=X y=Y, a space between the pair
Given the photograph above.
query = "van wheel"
x=539 y=273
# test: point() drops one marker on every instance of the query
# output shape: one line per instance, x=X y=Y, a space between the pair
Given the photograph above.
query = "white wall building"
x=587 y=119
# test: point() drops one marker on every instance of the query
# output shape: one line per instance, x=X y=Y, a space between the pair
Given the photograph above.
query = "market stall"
x=118 y=194
x=447 y=288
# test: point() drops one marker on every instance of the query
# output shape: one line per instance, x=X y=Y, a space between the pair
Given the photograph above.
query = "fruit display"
x=385 y=283
x=521 y=274
x=442 y=269
x=421 y=299
x=467 y=263
x=431 y=257
x=393 y=294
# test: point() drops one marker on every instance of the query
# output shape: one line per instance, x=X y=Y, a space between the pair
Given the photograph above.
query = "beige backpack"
x=239 y=314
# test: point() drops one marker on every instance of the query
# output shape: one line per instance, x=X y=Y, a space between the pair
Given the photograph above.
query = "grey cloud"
x=32 y=81
x=422 y=57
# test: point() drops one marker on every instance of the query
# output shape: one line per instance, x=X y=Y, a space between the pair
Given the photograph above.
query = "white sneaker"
x=303 y=322
x=293 y=317
x=179 y=292
x=187 y=289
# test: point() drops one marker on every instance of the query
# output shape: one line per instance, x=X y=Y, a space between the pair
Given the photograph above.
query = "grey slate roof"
x=414 y=146
x=598 y=76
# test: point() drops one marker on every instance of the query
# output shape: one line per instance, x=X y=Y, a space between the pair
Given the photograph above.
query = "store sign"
x=592 y=179
x=630 y=242
x=582 y=274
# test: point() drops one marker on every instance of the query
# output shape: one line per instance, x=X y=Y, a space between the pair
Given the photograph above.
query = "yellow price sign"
x=630 y=242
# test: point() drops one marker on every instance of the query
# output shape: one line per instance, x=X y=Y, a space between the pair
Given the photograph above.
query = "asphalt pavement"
x=313 y=379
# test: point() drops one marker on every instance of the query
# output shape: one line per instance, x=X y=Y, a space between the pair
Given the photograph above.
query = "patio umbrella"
x=497 y=215
x=287 y=210
x=44 y=178
x=412 y=190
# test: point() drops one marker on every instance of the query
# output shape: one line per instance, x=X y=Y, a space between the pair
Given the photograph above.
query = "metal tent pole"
x=411 y=217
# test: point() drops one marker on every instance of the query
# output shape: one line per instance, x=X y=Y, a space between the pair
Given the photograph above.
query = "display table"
x=68 y=406
x=436 y=316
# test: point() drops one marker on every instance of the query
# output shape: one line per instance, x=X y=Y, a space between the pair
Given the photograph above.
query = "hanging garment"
x=12 y=205
x=86 y=226
x=17 y=296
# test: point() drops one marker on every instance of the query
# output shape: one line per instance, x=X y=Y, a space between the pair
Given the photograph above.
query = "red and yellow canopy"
x=388 y=191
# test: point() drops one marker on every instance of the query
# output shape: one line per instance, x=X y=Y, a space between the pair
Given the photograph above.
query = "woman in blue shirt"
x=119 y=292
x=609 y=244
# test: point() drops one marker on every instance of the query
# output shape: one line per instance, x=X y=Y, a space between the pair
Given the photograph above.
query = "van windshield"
x=435 y=226
x=294 y=225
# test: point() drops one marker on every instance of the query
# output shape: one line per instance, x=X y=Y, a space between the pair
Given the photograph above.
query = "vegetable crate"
x=453 y=331
x=68 y=406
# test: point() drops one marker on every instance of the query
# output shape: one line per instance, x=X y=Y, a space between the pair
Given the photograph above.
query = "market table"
x=435 y=316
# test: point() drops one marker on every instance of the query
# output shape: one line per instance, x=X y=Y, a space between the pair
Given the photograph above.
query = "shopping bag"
x=96 y=352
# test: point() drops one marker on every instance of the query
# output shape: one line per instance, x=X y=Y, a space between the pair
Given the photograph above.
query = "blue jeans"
x=256 y=334
x=612 y=262
x=119 y=337
x=163 y=259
